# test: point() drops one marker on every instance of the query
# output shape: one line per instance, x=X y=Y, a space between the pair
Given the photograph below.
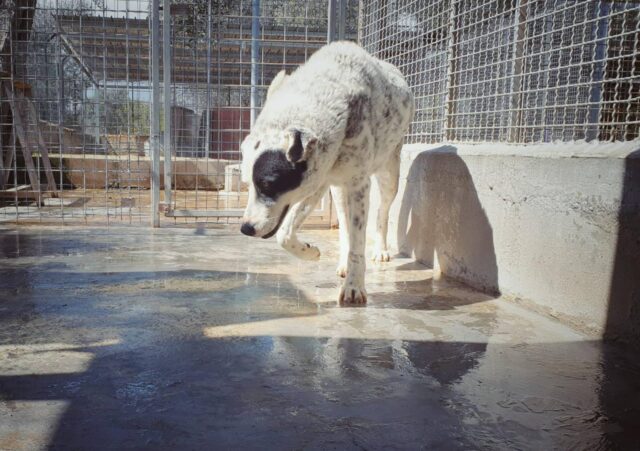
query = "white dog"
x=337 y=120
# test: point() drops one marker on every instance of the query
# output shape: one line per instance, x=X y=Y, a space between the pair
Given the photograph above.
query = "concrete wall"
x=556 y=227
x=97 y=171
x=125 y=144
x=74 y=141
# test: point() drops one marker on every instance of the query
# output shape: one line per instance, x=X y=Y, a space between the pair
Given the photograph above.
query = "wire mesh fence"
x=70 y=116
x=76 y=107
x=222 y=63
x=513 y=71
x=76 y=88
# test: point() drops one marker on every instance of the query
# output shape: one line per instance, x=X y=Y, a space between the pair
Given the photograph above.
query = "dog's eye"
x=265 y=187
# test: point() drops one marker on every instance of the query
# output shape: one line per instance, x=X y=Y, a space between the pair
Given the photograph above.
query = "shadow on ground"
x=140 y=347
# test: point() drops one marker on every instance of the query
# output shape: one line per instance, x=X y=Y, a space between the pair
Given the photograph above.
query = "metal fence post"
x=331 y=20
x=336 y=20
x=155 y=113
x=519 y=34
x=166 y=72
x=360 y=25
x=450 y=93
x=342 y=19
x=595 y=95
x=255 y=58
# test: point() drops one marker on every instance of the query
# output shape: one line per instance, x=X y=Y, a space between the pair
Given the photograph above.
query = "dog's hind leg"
x=387 y=180
x=352 y=291
x=339 y=197
x=286 y=235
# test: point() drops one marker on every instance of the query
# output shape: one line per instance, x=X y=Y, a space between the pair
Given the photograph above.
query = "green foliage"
x=190 y=17
x=294 y=13
x=113 y=112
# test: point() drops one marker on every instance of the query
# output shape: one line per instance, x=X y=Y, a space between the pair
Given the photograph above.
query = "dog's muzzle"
x=273 y=232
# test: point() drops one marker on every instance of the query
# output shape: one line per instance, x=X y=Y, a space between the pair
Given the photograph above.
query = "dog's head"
x=276 y=168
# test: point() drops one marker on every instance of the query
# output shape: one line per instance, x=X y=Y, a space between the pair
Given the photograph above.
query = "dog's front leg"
x=287 y=236
x=352 y=291
x=340 y=201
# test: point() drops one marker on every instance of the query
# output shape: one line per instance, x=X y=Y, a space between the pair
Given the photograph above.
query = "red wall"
x=229 y=126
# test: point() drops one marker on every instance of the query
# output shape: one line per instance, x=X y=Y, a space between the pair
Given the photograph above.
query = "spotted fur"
x=335 y=122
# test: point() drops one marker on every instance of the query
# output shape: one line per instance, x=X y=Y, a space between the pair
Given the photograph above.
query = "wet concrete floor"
x=130 y=338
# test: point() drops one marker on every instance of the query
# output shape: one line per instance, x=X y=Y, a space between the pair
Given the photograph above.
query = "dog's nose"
x=247 y=229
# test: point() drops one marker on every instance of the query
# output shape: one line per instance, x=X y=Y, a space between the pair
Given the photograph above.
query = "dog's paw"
x=341 y=270
x=309 y=252
x=352 y=295
x=381 y=256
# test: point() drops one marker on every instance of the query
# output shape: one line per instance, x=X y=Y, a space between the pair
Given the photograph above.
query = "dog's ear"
x=299 y=143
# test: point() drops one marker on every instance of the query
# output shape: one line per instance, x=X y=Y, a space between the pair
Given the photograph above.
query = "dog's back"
x=350 y=99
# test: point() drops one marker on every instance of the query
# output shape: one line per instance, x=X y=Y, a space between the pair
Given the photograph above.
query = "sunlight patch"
x=28 y=425
x=47 y=358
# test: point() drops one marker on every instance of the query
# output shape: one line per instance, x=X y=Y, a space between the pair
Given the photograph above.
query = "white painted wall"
x=540 y=224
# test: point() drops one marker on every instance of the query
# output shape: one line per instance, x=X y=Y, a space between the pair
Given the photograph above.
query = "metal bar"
x=2 y=148
x=67 y=45
x=595 y=95
x=207 y=113
x=166 y=72
x=59 y=67
x=92 y=40
x=205 y=214
x=129 y=106
x=104 y=123
x=232 y=213
x=331 y=20
x=255 y=59
x=517 y=64
x=342 y=18
x=14 y=138
x=155 y=113
x=361 y=22
x=449 y=121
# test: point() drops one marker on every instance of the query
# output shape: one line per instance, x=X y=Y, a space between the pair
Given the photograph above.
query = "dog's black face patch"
x=274 y=175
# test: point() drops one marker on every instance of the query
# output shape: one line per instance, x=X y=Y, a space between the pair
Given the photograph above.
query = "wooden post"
x=24 y=144
x=33 y=116
x=8 y=162
x=22 y=107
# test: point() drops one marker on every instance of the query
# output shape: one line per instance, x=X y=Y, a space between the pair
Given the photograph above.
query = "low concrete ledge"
x=556 y=226
x=558 y=150
x=98 y=171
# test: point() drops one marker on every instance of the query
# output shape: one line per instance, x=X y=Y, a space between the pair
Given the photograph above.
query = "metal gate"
x=98 y=94
x=217 y=61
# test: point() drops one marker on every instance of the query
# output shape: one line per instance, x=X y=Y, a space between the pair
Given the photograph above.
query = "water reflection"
x=204 y=351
